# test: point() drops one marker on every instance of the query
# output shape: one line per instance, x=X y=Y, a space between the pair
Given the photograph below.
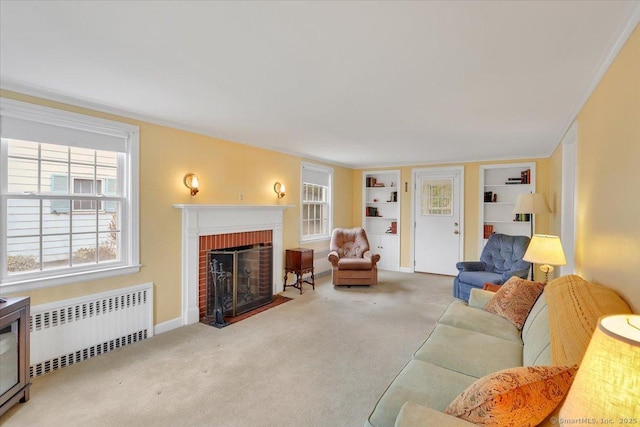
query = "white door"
x=438 y=229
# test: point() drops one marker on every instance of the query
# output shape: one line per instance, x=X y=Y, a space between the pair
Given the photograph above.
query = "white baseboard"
x=163 y=327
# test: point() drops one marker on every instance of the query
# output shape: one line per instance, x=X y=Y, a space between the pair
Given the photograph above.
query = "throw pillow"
x=522 y=396
x=514 y=300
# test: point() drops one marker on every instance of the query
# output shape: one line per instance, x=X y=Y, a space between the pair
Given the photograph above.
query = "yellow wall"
x=608 y=223
x=224 y=169
x=471 y=204
x=608 y=189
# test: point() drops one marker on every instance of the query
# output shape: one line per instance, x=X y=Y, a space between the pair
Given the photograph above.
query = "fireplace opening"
x=239 y=280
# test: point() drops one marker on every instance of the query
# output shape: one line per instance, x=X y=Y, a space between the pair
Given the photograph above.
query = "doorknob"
x=456 y=232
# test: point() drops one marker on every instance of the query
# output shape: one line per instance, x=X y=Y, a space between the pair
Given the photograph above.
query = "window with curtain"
x=316 y=202
x=69 y=197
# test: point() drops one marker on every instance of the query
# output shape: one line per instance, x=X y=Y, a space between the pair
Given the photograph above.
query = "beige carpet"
x=322 y=359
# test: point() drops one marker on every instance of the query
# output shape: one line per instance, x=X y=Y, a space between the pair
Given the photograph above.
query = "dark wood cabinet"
x=14 y=352
x=299 y=261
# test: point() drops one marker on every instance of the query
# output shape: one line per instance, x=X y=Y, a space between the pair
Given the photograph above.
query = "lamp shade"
x=607 y=385
x=544 y=249
x=531 y=203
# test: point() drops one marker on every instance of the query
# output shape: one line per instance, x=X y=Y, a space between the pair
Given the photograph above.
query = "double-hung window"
x=69 y=197
x=316 y=202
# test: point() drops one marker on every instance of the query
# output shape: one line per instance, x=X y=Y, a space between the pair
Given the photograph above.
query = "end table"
x=299 y=261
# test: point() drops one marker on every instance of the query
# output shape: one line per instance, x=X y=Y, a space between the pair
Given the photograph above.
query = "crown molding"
x=615 y=45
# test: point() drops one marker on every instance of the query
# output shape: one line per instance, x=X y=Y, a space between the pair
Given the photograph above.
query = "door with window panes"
x=438 y=232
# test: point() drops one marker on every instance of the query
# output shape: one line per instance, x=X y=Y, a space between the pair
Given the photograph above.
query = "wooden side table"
x=299 y=261
x=14 y=360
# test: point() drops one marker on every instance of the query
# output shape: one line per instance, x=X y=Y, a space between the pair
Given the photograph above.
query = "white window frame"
x=129 y=262
x=315 y=168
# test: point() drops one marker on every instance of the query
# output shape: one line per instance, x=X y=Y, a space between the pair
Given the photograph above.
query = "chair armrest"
x=471 y=266
x=520 y=273
x=333 y=258
x=414 y=415
x=479 y=298
x=373 y=257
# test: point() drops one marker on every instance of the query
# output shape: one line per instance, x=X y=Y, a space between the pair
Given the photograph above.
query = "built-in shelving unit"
x=500 y=185
x=381 y=215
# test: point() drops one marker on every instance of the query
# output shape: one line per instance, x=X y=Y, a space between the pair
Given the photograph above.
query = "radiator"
x=70 y=331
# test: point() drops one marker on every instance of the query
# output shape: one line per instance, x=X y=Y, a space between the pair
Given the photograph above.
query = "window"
x=316 y=202
x=69 y=197
x=436 y=197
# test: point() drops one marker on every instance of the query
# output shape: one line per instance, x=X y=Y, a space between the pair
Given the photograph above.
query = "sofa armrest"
x=471 y=266
x=520 y=273
x=333 y=258
x=479 y=298
x=373 y=257
x=414 y=415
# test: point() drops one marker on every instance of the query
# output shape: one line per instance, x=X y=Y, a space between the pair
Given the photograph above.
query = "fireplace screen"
x=239 y=280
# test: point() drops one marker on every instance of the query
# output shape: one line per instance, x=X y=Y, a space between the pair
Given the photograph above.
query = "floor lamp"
x=531 y=203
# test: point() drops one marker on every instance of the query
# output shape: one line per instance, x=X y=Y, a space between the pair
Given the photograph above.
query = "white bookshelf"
x=380 y=211
x=500 y=181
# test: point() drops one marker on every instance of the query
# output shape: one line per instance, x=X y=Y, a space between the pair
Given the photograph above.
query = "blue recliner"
x=501 y=258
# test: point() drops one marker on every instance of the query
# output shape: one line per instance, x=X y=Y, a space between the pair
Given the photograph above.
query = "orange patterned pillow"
x=522 y=396
x=514 y=300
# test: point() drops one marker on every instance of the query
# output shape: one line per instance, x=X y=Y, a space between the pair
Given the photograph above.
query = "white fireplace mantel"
x=204 y=220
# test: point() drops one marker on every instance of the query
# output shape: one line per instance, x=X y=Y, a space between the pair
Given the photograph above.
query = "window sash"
x=316 y=201
x=315 y=210
x=119 y=201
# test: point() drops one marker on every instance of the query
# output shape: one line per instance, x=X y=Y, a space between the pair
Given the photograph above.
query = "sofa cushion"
x=535 y=335
x=354 y=264
x=421 y=382
x=474 y=353
x=412 y=415
x=478 y=298
x=520 y=396
x=514 y=300
x=458 y=314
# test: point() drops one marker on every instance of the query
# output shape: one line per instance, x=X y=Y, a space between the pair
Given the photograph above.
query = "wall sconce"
x=191 y=182
x=279 y=189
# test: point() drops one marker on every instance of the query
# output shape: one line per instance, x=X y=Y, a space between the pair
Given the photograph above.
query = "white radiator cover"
x=72 y=330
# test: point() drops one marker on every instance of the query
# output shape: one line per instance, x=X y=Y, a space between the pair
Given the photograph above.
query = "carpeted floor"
x=322 y=359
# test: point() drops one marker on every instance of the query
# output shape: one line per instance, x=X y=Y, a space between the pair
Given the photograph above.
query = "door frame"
x=569 y=198
x=414 y=183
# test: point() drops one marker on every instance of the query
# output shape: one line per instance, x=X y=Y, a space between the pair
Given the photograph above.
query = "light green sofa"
x=469 y=343
x=466 y=344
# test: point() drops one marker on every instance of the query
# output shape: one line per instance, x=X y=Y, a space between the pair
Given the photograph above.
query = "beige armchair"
x=352 y=261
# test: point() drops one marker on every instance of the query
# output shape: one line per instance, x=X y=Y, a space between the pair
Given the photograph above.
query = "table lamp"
x=545 y=250
x=607 y=385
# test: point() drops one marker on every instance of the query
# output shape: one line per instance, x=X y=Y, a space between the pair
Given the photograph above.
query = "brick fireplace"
x=212 y=225
x=224 y=241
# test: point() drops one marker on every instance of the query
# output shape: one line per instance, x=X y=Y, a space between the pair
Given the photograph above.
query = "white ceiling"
x=354 y=83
